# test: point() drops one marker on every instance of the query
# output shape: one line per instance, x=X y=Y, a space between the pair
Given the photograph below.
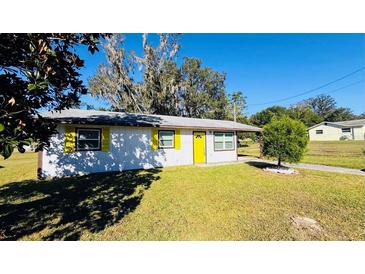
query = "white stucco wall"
x=359 y=133
x=219 y=156
x=130 y=148
x=330 y=133
x=334 y=133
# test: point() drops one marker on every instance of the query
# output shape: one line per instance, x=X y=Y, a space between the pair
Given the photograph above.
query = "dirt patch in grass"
x=305 y=228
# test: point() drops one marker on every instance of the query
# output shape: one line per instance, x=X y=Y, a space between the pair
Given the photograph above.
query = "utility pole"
x=234 y=111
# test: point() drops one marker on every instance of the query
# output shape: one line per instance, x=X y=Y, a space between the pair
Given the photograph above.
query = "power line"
x=311 y=90
x=347 y=86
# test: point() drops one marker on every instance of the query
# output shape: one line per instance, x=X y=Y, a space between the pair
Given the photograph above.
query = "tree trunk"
x=261 y=145
x=279 y=162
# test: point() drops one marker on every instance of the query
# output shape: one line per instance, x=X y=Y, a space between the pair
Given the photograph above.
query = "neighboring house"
x=97 y=141
x=344 y=130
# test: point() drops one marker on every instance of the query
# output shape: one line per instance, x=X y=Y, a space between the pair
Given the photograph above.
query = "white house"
x=91 y=141
x=332 y=131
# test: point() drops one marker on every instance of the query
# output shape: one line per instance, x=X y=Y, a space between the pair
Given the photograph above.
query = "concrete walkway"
x=305 y=166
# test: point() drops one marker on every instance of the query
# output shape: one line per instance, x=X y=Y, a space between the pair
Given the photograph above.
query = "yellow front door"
x=199 y=147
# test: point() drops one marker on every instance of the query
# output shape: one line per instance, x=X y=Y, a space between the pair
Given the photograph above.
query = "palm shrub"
x=285 y=139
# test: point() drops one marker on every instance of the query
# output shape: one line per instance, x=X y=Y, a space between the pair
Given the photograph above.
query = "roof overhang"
x=84 y=117
x=335 y=124
x=100 y=123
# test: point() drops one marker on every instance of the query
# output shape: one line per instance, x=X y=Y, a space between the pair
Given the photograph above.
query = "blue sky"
x=268 y=67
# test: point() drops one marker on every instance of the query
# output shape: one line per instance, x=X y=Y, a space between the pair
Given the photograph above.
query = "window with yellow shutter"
x=165 y=139
x=88 y=139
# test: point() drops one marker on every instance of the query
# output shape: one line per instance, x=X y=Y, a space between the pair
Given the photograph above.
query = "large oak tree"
x=153 y=82
x=144 y=84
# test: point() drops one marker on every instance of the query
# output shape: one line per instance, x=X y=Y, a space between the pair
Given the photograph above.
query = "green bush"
x=285 y=139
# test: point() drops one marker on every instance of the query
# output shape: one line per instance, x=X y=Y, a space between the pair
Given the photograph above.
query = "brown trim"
x=205 y=145
x=158 y=138
x=100 y=133
x=40 y=163
x=218 y=150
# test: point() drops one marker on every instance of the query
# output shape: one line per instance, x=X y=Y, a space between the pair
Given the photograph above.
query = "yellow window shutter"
x=177 y=139
x=70 y=139
x=105 y=139
x=154 y=139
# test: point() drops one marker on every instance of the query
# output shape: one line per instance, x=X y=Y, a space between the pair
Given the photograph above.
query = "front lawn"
x=337 y=153
x=230 y=202
x=331 y=153
x=20 y=166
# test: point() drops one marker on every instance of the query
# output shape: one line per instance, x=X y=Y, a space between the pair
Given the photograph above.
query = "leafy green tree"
x=325 y=107
x=202 y=91
x=285 y=139
x=322 y=105
x=341 y=114
x=304 y=114
x=265 y=116
x=37 y=71
x=361 y=116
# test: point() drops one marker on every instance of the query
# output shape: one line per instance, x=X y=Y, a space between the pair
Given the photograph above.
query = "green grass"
x=332 y=153
x=252 y=150
x=336 y=153
x=230 y=202
x=18 y=167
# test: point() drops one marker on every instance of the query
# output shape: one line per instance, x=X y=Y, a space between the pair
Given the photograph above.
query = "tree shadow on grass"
x=61 y=209
x=261 y=165
x=241 y=154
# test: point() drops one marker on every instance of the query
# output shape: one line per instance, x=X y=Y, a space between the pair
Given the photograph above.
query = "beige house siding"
x=333 y=133
x=359 y=133
x=330 y=133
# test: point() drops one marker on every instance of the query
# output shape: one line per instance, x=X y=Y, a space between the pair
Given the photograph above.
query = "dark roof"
x=350 y=123
x=353 y=123
x=80 y=116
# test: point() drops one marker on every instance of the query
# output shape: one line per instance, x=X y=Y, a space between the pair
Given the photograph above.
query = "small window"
x=223 y=141
x=88 y=139
x=346 y=130
x=319 y=131
x=166 y=139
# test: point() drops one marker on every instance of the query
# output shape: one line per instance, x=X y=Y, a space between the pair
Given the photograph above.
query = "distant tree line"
x=310 y=111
